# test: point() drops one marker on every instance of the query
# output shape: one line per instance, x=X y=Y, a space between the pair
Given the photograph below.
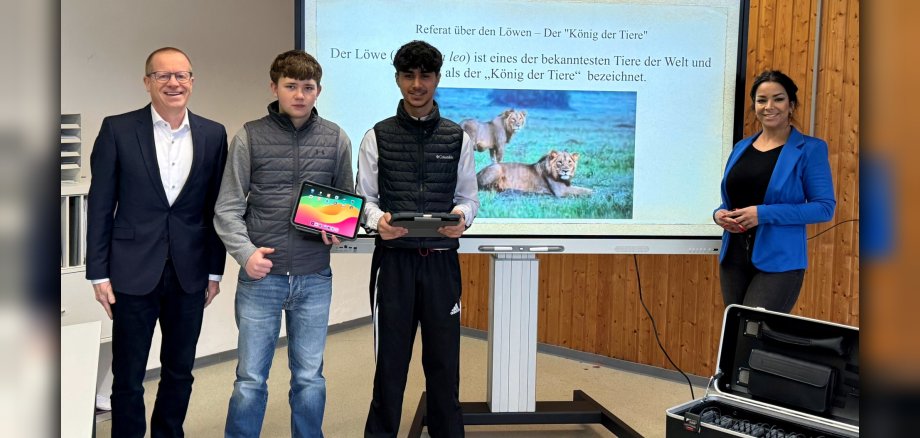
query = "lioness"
x=496 y=134
x=551 y=175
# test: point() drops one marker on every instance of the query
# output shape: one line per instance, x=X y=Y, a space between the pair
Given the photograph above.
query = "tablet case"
x=424 y=224
x=777 y=375
x=323 y=208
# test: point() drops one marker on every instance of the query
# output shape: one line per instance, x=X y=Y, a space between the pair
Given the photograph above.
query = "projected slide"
x=549 y=154
x=591 y=118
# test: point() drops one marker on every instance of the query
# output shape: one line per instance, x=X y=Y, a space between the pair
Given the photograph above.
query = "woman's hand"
x=723 y=219
x=745 y=217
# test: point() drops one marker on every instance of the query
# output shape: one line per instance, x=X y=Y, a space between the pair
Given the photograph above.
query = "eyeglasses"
x=163 y=76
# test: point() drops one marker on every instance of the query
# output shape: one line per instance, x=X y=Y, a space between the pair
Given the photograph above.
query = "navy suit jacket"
x=800 y=192
x=131 y=228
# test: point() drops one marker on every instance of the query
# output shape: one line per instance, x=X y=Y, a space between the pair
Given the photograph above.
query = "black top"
x=417 y=165
x=746 y=183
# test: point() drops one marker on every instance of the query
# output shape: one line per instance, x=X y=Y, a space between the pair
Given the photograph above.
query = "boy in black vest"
x=419 y=162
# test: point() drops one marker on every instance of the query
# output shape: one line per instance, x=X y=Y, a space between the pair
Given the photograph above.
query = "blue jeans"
x=305 y=300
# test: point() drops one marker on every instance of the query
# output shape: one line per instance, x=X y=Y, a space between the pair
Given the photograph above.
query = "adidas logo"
x=455 y=310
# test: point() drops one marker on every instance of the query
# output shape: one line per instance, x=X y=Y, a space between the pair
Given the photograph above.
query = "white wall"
x=231 y=43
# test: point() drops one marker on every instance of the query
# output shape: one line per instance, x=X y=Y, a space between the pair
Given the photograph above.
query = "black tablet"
x=424 y=224
x=323 y=208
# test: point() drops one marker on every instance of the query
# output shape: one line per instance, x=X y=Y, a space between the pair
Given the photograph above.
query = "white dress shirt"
x=174 y=153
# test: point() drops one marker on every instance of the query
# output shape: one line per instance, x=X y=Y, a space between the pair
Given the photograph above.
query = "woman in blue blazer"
x=775 y=183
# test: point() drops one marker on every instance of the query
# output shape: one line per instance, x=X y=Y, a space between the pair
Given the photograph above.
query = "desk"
x=79 y=361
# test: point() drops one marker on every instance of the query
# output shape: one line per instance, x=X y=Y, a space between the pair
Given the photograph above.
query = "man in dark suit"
x=152 y=253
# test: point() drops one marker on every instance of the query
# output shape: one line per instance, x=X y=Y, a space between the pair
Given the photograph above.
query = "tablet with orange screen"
x=323 y=208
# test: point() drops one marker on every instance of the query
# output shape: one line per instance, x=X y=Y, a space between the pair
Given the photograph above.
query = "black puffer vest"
x=417 y=162
x=281 y=157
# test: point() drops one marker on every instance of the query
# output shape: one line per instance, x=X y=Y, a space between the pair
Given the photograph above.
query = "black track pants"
x=416 y=287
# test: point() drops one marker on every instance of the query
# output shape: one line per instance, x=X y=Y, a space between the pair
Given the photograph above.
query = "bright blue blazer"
x=800 y=192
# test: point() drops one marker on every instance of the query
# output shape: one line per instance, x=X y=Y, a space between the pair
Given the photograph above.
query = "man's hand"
x=457 y=230
x=388 y=232
x=213 y=290
x=257 y=267
x=105 y=296
x=330 y=239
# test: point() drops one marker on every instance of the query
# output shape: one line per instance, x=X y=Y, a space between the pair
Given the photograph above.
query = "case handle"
x=761 y=330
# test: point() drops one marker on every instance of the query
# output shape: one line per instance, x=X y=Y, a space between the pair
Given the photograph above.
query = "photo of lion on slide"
x=494 y=135
x=551 y=175
x=552 y=154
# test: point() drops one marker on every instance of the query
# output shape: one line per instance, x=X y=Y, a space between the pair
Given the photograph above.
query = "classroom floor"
x=637 y=399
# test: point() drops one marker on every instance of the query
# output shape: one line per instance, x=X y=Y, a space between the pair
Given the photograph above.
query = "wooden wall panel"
x=476 y=275
x=605 y=303
x=801 y=62
x=591 y=302
x=848 y=180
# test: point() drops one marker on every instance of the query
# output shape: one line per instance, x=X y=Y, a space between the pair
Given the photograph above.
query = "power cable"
x=833 y=226
x=655 y=328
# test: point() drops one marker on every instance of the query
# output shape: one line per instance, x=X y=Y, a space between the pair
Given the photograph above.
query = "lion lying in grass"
x=550 y=175
x=495 y=135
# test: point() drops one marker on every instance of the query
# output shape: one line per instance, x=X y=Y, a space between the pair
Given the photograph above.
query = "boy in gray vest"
x=419 y=162
x=281 y=268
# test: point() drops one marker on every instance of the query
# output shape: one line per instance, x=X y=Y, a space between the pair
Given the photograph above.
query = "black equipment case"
x=778 y=376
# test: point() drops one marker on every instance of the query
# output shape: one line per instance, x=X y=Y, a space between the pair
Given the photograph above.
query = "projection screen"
x=646 y=97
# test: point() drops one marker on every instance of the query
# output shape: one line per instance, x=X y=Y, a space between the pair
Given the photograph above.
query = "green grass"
x=605 y=165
